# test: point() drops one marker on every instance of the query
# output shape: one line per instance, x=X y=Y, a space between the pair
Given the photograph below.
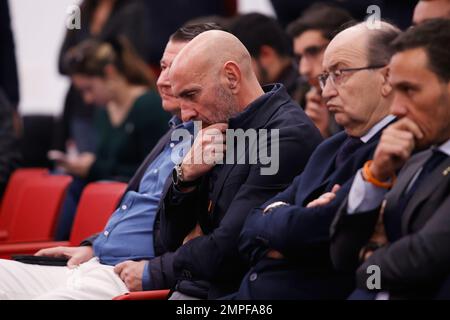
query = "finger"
x=409 y=125
x=119 y=267
x=51 y=252
x=222 y=127
x=336 y=188
x=73 y=262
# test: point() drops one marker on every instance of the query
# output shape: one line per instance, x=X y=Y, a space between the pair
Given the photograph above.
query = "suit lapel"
x=436 y=178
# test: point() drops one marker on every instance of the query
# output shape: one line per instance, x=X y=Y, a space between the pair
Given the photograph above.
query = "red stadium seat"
x=37 y=204
x=13 y=194
x=97 y=203
x=145 y=295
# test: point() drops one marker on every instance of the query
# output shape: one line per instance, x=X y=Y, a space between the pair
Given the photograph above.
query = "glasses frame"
x=323 y=77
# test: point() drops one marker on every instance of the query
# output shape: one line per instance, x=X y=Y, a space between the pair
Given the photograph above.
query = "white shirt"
x=364 y=196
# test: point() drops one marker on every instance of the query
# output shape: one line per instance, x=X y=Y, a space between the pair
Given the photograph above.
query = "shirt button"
x=155 y=171
x=106 y=233
x=124 y=207
x=253 y=276
x=172 y=145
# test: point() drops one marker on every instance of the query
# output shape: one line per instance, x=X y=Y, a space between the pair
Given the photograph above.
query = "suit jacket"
x=160 y=267
x=210 y=265
x=416 y=264
x=301 y=234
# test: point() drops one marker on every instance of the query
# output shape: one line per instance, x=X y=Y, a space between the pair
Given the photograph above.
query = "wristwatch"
x=273 y=206
x=178 y=178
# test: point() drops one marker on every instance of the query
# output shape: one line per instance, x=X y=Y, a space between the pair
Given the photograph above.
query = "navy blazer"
x=210 y=266
x=301 y=234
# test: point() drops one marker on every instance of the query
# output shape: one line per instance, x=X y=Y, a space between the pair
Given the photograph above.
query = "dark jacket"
x=8 y=66
x=302 y=234
x=415 y=265
x=209 y=266
x=10 y=156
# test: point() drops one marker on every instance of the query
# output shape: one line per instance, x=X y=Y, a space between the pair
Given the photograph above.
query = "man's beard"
x=226 y=107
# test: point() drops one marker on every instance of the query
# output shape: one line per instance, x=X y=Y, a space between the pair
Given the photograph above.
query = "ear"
x=386 y=87
x=233 y=76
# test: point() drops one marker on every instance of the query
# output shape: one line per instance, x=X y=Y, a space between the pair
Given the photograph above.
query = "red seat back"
x=13 y=196
x=38 y=209
x=98 y=201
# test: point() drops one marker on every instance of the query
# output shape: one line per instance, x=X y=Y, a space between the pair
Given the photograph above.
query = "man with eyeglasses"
x=311 y=33
x=286 y=240
x=401 y=224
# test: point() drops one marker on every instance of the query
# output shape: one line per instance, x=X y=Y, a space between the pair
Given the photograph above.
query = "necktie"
x=348 y=147
x=393 y=221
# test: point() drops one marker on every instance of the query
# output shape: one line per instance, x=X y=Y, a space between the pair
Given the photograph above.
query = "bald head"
x=213 y=77
x=431 y=9
x=209 y=51
x=364 y=45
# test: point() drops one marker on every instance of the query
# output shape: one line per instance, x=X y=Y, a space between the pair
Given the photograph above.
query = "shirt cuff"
x=363 y=195
x=146 y=279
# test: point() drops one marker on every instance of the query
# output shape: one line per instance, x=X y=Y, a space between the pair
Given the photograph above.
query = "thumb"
x=74 y=262
x=118 y=268
x=336 y=188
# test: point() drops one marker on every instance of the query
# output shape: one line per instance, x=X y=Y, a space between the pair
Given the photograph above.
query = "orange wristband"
x=368 y=176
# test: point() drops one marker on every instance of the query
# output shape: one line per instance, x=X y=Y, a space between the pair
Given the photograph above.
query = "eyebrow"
x=186 y=91
x=405 y=84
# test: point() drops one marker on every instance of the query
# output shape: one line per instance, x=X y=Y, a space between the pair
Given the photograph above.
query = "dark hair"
x=255 y=30
x=90 y=58
x=190 y=31
x=379 y=46
x=326 y=18
x=433 y=36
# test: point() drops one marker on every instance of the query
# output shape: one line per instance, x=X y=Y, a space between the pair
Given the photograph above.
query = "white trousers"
x=89 y=281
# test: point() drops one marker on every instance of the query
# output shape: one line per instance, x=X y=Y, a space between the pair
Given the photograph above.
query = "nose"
x=187 y=112
x=305 y=67
x=329 y=91
x=163 y=79
x=88 y=98
x=399 y=106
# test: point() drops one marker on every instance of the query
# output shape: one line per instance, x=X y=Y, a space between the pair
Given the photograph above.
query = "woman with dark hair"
x=110 y=74
x=100 y=19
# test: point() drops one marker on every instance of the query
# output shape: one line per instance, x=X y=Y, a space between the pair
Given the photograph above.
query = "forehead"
x=409 y=65
x=171 y=50
x=348 y=49
x=307 y=39
x=431 y=9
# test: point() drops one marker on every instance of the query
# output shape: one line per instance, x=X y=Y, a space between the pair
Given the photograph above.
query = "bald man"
x=287 y=239
x=208 y=201
x=431 y=9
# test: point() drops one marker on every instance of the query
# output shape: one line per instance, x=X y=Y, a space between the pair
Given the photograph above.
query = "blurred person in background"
x=110 y=74
x=100 y=19
x=9 y=81
x=431 y=9
x=271 y=51
x=9 y=149
x=310 y=34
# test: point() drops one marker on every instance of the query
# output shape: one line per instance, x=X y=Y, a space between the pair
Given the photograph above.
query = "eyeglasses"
x=311 y=52
x=337 y=76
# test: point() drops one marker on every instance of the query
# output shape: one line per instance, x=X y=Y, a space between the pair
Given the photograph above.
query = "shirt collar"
x=445 y=147
x=376 y=128
x=175 y=123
